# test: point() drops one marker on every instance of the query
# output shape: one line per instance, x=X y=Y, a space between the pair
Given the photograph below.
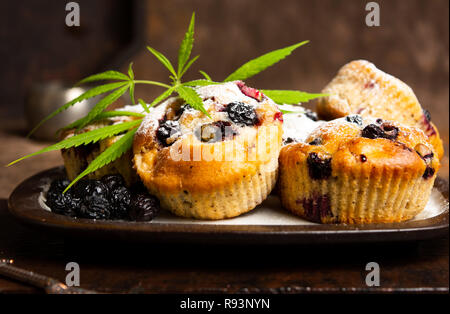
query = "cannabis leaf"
x=108 y=75
x=290 y=96
x=102 y=104
x=199 y=83
x=103 y=115
x=86 y=95
x=110 y=154
x=186 y=47
x=163 y=96
x=261 y=63
x=144 y=105
x=85 y=138
x=131 y=75
x=192 y=98
x=163 y=60
x=205 y=75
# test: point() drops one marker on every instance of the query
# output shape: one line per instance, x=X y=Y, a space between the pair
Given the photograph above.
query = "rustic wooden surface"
x=125 y=268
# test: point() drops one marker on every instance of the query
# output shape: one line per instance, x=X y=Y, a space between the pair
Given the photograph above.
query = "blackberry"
x=113 y=181
x=386 y=130
x=166 y=129
x=59 y=202
x=143 y=207
x=241 y=113
x=120 y=199
x=319 y=168
x=354 y=118
x=311 y=115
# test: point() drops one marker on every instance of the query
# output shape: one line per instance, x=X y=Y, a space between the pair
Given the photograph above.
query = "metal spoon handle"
x=26 y=276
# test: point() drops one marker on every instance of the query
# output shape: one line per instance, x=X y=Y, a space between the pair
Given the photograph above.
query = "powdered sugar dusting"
x=297 y=126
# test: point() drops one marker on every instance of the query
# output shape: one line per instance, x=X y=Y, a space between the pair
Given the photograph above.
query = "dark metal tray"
x=24 y=204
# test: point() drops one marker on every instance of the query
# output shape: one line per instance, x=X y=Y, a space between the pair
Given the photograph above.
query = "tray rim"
x=433 y=227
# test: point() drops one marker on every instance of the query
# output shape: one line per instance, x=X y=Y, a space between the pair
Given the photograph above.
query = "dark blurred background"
x=411 y=43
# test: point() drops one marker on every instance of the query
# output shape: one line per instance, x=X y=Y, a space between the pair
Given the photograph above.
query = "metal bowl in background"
x=44 y=98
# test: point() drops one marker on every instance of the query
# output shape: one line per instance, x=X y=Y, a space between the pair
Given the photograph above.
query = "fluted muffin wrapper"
x=355 y=194
x=227 y=202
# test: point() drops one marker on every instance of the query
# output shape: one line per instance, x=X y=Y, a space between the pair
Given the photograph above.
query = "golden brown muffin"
x=355 y=170
x=76 y=159
x=211 y=168
x=361 y=88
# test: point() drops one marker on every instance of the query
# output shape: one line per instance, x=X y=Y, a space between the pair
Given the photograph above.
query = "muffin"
x=361 y=88
x=358 y=170
x=76 y=159
x=211 y=167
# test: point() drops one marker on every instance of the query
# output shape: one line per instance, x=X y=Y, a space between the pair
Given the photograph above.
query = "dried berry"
x=386 y=130
x=85 y=188
x=120 y=199
x=94 y=199
x=95 y=207
x=59 y=202
x=319 y=168
x=311 y=115
x=241 y=113
x=354 y=118
x=113 y=181
x=143 y=207
x=167 y=129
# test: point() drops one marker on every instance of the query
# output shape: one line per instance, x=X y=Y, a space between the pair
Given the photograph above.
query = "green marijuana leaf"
x=259 y=64
x=290 y=96
x=110 y=154
x=85 y=138
x=191 y=97
x=186 y=47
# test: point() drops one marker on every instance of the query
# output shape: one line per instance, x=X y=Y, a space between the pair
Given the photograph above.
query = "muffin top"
x=177 y=145
x=355 y=142
x=232 y=107
x=361 y=88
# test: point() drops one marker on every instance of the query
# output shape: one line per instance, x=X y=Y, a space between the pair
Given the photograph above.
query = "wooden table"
x=139 y=268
